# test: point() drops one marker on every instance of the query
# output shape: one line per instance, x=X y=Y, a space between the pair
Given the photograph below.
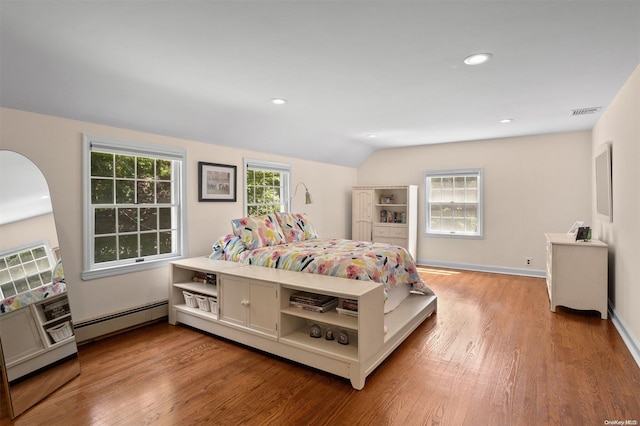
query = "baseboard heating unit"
x=91 y=329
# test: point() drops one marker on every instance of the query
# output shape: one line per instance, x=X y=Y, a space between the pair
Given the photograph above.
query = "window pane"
x=165 y=221
x=125 y=166
x=43 y=264
x=46 y=276
x=128 y=220
x=164 y=192
x=145 y=168
x=34 y=281
x=166 y=242
x=39 y=252
x=148 y=219
x=31 y=268
x=145 y=192
x=21 y=285
x=26 y=256
x=13 y=260
x=163 y=171
x=105 y=221
x=101 y=191
x=8 y=290
x=101 y=164
x=17 y=272
x=149 y=244
x=128 y=245
x=125 y=192
x=447 y=224
x=105 y=249
x=447 y=189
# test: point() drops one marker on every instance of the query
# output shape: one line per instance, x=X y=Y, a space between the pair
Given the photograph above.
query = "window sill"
x=455 y=236
x=127 y=269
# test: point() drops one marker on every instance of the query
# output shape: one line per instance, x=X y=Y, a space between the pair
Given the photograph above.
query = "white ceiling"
x=205 y=70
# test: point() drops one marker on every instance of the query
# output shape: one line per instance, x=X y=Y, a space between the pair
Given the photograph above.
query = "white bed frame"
x=250 y=305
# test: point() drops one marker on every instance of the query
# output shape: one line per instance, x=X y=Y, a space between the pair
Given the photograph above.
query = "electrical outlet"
x=528 y=261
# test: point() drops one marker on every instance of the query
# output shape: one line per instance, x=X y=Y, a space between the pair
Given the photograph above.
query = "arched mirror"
x=37 y=346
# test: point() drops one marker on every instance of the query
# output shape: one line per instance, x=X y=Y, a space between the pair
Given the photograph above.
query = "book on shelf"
x=312 y=299
x=350 y=304
x=314 y=308
x=347 y=312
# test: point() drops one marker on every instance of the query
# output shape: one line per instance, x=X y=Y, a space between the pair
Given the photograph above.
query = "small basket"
x=213 y=302
x=60 y=331
x=190 y=299
x=203 y=303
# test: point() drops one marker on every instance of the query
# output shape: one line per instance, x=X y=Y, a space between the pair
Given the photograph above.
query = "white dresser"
x=577 y=273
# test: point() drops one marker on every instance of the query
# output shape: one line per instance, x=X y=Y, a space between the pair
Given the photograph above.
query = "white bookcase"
x=254 y=310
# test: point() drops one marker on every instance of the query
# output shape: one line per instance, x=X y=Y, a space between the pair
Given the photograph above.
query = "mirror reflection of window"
x=26 y=269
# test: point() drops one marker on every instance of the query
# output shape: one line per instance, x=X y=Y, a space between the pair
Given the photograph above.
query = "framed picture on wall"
x=216 y=182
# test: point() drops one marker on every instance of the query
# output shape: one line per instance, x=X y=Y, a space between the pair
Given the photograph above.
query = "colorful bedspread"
x=387 y=264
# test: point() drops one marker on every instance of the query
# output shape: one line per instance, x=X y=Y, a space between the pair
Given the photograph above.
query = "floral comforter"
x=387 y=264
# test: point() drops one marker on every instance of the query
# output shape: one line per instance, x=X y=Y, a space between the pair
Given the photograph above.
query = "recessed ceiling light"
x=278 y=101
x=506 y=120
x=372 y=135
x=477 y=58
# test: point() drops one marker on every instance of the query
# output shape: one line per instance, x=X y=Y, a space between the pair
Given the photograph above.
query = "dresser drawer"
x=390 y=231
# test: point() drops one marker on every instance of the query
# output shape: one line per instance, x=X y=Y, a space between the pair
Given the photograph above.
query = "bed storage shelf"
x=254 y=310
x=200 y=288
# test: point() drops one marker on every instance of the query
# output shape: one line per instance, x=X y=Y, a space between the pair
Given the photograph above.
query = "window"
x=25 y=268
x=267 y=186
x=134 y=211
x=454 y=203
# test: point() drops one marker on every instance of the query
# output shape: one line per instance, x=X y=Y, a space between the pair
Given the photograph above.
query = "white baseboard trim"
x=629 y=340
x=92 y=329
x=483 y=268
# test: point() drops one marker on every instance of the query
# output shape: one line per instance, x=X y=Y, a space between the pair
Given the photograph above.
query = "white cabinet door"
x=20 y=336
x=233 y=302
x=263 y=312
x=362 y=214
x=250 y=304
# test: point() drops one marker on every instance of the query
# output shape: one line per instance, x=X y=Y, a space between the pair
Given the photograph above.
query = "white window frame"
x=91 y=270
x=480 y=203
x=285 y=184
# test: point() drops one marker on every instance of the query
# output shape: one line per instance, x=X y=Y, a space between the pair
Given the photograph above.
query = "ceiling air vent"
x=585 y=111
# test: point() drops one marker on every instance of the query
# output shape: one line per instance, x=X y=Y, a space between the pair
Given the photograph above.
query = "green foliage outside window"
x=133 y=214
x=264 y=192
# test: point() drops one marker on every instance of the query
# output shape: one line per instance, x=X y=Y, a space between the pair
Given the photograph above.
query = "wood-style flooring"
x=492 y=355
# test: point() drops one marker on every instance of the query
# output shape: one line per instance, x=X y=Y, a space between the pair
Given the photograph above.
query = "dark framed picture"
x=216 y=182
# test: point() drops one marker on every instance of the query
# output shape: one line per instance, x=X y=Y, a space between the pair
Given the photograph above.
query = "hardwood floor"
x=493 y=355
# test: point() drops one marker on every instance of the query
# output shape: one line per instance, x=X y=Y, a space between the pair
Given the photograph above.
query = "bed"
x=289 y=241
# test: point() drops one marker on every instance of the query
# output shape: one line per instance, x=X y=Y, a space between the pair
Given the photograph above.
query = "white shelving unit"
x=254 y=310
x=386 y=214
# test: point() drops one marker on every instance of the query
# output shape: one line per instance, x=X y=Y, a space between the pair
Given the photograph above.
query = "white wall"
x=532 y=185
x=22 y=232
x=55 y=145
x=620 y=125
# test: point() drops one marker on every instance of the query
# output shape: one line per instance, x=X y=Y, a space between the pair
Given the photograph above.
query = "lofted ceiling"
x=206 y=70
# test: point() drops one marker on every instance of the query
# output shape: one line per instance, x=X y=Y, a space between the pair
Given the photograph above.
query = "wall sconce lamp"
x=307 y=196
